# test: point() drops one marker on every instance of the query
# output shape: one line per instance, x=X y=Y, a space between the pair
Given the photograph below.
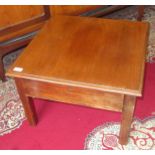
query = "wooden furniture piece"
x=140 y=12
x=92 y=10
x=72 y=9
x=21 y=23
x=18 y=26
x=93 y=62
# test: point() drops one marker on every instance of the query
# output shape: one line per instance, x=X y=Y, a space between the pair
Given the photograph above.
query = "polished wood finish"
x=27 y=19
x=127 y=116
x=27 y=103
x=71 y=9
x=2 y=72
x=105 y=10
x=140 y=12
x=19 y=21
x=87 y=41
x=21 y=32
x=14 y=14
x=74 y=95
x=6 y=49
x=92 y=10
x=93 y=62
x=22 y=16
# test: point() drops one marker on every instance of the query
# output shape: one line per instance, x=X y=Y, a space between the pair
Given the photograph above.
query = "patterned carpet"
x=103 y=137
x=11 y=109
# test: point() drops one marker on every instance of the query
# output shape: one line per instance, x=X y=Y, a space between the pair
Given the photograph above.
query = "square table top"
x=95 y=53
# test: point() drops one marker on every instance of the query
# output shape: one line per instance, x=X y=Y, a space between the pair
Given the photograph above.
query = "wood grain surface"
x=14 y=14
x=88 y=52
x=127 y=117
x=73 y=95
x=85 y=61
x=71 y=9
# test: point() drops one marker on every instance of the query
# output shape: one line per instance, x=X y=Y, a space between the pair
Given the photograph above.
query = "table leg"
x=2 y=72
x=127 y=116
x=27 y=103
x=140 y=12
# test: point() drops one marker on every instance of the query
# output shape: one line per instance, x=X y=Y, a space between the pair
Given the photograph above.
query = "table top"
x=95 y=53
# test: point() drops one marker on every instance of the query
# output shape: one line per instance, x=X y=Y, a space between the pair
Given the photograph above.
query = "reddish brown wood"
x=21 y=32
x=71 y=9
x=29 y=89
x=95 y=10
x=19 y=29
x=106 y=67
x=27 y=102
x=140 y=12
x=2 y=72
x=127 y=116
x=36 y=23
x=74 y=95
x=105 y=10
x=7 y=49
x=91 y=63
x=26 y=23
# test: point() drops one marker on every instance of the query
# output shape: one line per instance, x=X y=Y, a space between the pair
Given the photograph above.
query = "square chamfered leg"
x=27 y=102
x=127 y=116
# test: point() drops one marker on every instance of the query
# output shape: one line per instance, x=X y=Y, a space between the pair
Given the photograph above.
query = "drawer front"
x=74 y=95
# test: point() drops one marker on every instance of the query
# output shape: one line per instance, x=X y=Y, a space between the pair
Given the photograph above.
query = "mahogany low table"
x=85 y=61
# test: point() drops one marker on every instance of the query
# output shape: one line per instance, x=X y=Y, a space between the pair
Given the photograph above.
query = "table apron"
x=73 y=95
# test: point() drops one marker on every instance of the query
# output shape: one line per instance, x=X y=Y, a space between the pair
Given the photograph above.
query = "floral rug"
x=105 y=137
x=11 y=109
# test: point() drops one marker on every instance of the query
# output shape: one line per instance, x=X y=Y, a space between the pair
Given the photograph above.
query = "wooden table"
x=85 y=61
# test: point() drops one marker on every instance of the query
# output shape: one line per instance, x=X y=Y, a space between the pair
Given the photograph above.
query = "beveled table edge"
x=105 y=88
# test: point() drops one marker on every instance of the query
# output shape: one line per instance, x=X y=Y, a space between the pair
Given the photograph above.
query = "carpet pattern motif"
x=11 y=109
x=105 y=137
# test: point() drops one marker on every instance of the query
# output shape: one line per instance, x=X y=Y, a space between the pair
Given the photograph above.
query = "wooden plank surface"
x=15 y=14
x=87 y=52
x=73 y=95
x=71 y=9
